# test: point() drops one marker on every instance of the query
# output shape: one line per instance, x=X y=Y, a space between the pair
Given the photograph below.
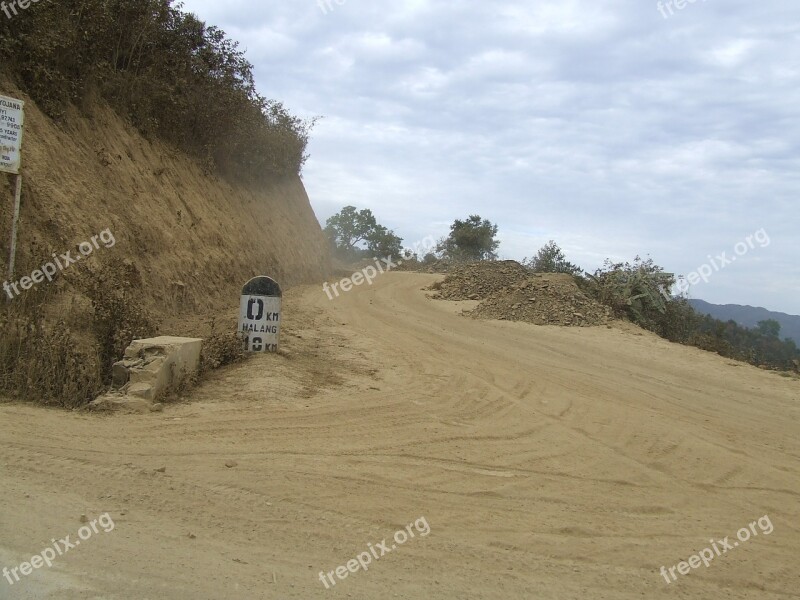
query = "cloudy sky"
x=615 y=127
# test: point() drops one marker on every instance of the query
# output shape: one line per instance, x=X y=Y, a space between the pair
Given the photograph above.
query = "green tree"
x=470 y=240
x=551 y=259
x=382 y=242
x=356 y=233
x=349 y=227
x=770 y=328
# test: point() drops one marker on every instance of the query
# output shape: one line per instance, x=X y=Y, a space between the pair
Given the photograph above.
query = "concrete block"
x=120 y=403
x=152 y=368
x=141 y=390
x=166 y=362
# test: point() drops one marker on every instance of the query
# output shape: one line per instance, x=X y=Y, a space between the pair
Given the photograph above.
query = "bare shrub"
x=119 y=318
x=220 y=349
x=46 y=365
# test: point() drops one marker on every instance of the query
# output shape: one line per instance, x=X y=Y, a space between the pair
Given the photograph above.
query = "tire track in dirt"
x=549 y=462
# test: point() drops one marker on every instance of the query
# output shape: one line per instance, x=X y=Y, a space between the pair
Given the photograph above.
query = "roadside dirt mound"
x=510 y=292
x=478 y=281
x=546 y=299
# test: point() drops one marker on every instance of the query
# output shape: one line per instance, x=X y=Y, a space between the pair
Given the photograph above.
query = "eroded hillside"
x=178 y=241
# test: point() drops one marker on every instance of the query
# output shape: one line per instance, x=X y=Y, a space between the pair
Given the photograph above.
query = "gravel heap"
x=477 y=281
x=509 y=292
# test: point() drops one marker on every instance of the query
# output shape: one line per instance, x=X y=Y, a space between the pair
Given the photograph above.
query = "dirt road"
x=546 y=462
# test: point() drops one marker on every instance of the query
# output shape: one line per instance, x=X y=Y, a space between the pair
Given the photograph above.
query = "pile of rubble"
x=478 y=281
x=510 y=292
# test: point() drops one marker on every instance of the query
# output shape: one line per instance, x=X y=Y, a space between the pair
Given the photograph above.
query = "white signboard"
x=260 y=315
x=11 y=121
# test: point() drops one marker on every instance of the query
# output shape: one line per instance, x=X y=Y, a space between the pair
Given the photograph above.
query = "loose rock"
x=510 y=292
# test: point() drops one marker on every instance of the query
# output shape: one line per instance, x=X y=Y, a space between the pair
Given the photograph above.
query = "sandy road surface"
x=548 y=463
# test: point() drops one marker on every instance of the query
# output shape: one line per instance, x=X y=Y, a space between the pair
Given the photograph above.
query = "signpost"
x=260 y=315
x=12 y=118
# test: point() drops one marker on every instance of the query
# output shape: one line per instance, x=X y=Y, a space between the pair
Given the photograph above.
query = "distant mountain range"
x=749 y=316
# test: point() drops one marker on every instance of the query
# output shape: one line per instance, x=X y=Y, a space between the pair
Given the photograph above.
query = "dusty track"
x=548 y=462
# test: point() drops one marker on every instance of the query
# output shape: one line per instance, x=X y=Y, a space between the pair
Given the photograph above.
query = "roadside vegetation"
x=640 y=292
x=57 y=365
x=168 y=73
x=470 y=240
x=356 y=235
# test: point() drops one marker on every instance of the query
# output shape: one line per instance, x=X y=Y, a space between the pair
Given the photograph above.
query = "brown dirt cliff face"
x=189 y=240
